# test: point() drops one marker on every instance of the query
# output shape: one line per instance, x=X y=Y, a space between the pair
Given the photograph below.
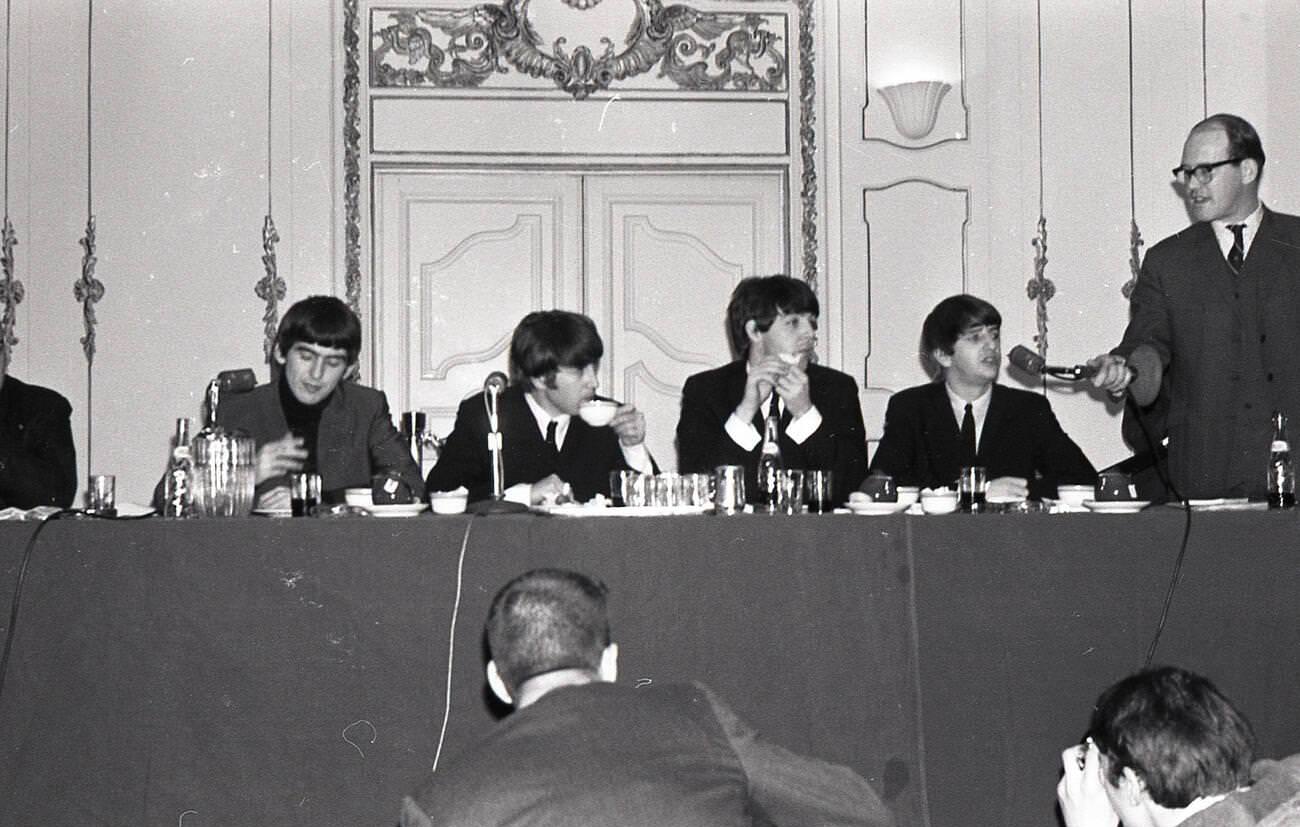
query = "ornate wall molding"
x=808 y=143
x=466 y=47
x=11 y=292
x=352 y=154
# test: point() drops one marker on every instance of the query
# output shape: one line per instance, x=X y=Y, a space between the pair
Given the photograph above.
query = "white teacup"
x=598 y=412
x=908 y=494
x=449 y=502
x=1074 y=495
x=938 y=501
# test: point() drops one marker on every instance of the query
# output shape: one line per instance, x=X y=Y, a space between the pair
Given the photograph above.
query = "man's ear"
x=498 y=685
x=609 y=663
x=943 y=360
x=1132 y=786
x=277 y=355
x=751 y=330
x=352 y=372
x=1249 y=170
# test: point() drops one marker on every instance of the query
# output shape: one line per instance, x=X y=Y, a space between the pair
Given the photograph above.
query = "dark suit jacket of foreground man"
x=839 y=445
x=1021 y=438
x=356 y=439
x=38 y=461
x=671 y=756
x=584 y=461
x=1231 y=349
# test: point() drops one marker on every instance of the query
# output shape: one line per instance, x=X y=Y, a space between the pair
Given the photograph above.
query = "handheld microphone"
x=1143 y=365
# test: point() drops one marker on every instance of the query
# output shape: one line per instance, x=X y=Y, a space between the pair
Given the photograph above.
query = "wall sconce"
x=915 y=105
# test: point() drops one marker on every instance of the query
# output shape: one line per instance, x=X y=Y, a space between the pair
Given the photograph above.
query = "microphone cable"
x=1162 y=474
x=16 y=601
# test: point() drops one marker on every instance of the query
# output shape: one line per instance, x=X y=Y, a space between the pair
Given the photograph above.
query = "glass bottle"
x=770 y=464
x=177 y=495
x=1281 y=474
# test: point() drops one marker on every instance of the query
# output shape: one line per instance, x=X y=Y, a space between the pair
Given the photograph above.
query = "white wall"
x=179 y=111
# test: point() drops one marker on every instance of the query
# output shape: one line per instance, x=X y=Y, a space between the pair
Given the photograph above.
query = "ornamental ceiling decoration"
x=463 y=48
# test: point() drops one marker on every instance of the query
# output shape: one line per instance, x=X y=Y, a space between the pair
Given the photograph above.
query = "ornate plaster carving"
x=88 y=290
x=464 y=47
x=11 y=291
x=270 y=288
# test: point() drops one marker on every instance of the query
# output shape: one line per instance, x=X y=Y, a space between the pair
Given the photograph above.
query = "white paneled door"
x=460 y=257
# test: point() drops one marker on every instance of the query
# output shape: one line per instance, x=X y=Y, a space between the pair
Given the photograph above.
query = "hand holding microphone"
x=1139 y=374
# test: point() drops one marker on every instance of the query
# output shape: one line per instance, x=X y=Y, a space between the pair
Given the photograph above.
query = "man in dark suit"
x=311 y=419
x=38 y=461
x=549 y=453
x=582 y=750
x=966 y=418
x=1220 y=303
x=772 y=325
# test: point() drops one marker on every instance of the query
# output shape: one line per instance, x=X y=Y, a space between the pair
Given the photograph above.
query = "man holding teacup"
x=552 y=448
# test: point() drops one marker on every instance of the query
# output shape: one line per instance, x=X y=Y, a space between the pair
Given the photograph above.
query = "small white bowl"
x=908 y=494
x=597 y=412
x=1074 y=495
x=449 y=502
x=358 y=496
x=939 y=503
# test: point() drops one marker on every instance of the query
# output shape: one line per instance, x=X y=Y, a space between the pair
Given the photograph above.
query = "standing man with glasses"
x=1220 y=303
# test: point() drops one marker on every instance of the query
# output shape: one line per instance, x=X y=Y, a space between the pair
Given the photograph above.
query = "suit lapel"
x=944 y=432
x=993 y=421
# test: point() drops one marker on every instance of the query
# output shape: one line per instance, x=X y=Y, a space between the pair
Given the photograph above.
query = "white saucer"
x=397 y=509
x=272 y=512
x=876 y=508
x=1116 y=506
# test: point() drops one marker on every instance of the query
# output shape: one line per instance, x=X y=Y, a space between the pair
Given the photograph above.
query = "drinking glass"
x=972 y=486
x=304 y=493
x=667 y=490
x=818 y=487
x=101 y=495
x=697 y=489
x=789 y=495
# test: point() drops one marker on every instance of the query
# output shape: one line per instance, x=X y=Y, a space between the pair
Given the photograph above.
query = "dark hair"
x=1177 y=732
x=1243 y=140
x=763 y=298
x=320 y=320
x=547 y=340
x=951 y=318
x=547 y=619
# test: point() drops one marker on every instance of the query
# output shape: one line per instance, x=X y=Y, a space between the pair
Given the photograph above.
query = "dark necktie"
x=550 y=436
x=968 y=434
x=1237 y=254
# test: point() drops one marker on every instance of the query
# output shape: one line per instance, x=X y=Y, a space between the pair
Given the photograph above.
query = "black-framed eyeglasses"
x=1203 y=173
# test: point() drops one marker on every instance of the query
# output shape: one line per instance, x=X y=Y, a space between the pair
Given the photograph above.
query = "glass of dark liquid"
x=971 y=488
x=817 y=488
x=304 y=493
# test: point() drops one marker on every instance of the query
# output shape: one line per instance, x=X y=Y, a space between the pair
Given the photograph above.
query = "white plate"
x=397 y=509
x=1116 y=506
x=575 y=510
x=272 y=512
x=877 y=508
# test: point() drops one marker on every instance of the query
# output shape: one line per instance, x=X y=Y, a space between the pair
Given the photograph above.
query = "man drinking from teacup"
x=772 y=325
x=964 y=418
x=549 y=452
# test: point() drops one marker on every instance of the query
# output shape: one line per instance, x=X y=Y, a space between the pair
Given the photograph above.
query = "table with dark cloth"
x=257 y=671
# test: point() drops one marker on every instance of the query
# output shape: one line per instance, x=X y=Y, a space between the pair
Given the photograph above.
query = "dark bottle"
x=1281 y=474
x=770 y=465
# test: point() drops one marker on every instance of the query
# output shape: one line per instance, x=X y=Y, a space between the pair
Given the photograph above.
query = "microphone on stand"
x=1144 y=368
x=493 y=387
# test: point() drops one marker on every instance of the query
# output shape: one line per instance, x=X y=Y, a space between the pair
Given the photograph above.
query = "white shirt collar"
x=979 y=408
x=1224 y=236
x=543 y=419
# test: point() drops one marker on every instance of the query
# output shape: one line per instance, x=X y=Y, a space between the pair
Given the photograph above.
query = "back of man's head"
x=1177 y=732
x=763 y=298
x=320 y=320
x=545 y=620
x=546 y=340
